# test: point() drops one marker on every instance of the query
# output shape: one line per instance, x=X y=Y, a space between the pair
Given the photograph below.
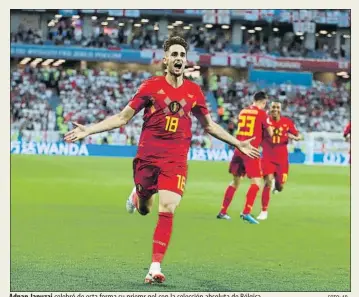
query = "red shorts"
x=150 y=177
x=242 y=165
x=280 y=170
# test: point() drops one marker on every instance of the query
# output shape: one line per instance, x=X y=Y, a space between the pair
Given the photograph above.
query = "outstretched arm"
x=296 y=138
x=112 y=122
x=218 y=132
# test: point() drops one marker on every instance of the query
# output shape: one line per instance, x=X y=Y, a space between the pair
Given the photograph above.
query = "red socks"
x=162 y=236
x=251 y=196
x=265 y=197
x=227 y=199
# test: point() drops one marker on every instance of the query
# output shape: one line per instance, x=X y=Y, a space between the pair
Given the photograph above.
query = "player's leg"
x=132 y=200
x=278 y=183
x=171 y=187
x=142 y=196
x=268 y=179
x=254 y=172
x=228 y=197
x=281 y=176
x=268 y=172
x=143 y=204
x=168 y=202
x=273 y=185
x=236 y=168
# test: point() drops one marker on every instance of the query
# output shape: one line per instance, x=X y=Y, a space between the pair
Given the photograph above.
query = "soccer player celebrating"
x=252 y=121
x=275 y=162
x=347 y=135
x=161 y=161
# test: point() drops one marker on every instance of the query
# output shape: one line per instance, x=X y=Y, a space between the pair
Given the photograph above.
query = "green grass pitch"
x=70 y=231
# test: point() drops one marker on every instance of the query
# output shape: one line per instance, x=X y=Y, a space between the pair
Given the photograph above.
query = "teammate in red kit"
x=252 y=121
x=161 y=161
x=275 y=162
x=347 y=136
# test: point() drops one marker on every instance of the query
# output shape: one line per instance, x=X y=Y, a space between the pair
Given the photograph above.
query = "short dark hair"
x=260 y=96
x=175 y=40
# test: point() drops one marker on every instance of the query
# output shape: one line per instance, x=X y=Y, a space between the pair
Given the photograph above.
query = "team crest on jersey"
x=278 y=131
x=139 y=187
x=174 y=107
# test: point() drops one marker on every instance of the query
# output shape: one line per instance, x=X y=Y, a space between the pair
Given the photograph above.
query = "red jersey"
x=252 y=121
x=347 y=130
x=275 y=147
x=166 y=131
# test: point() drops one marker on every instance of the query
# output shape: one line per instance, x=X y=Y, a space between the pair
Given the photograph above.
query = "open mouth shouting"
x=178 y=65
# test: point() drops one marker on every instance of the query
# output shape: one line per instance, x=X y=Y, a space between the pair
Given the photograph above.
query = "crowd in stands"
x=67 y=32
x=321 y=107
x=31 y=94
x=294 y=46
x=50 y=99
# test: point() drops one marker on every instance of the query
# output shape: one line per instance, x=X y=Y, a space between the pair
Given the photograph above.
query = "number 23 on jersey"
x=246 y=125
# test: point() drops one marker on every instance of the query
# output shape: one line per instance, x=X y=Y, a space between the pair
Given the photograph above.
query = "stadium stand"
x=50 y=99
x=201 y=39
x=46 y=98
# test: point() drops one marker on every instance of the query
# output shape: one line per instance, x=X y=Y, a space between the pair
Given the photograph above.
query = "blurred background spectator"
x=227 y=49
x=50 y=99
x=279 y=39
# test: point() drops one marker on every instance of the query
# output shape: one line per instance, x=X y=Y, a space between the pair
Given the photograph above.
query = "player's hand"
x=296 y=138
x=246 y=148
x=76 y=134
